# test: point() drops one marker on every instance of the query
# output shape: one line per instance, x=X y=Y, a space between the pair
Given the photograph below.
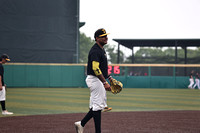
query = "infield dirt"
x=112 y=122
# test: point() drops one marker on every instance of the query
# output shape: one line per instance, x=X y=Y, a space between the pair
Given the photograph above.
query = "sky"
x=140 y=19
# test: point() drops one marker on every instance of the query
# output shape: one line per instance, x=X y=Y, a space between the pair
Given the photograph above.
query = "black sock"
x=97 y=120
x=88 y=116
x=3 y=105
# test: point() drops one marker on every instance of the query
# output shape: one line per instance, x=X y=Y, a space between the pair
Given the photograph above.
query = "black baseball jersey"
x=97 y=54
x=1 y=73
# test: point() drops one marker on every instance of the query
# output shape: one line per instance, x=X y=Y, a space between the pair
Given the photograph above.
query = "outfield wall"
x=73 y=75
x=154 y=81
x=44 y=75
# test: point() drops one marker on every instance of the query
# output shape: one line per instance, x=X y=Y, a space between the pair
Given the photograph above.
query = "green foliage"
x=159 y=55
x=85 y=45
x=112 y=53
x=149 y=52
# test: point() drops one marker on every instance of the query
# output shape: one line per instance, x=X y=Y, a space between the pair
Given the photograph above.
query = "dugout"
x=183 y=43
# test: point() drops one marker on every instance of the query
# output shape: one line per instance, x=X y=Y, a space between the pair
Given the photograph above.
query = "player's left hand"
x=116 y=86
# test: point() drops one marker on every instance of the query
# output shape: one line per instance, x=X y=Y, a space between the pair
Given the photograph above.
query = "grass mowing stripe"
x=156 y=100
x=46 y=106
x=164 y=95
x=41 y=100
x=47 y=93
x=197 y=99
x=50 y=96
x=163 y=99
x=32 y=111
x=158 y=106
x=130 y=92
x=145 y=94
x=161 y=103
x=51 y=90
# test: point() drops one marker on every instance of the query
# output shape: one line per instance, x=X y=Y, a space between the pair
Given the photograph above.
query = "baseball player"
x=97 y=73
x=196 y=81
x=191 y=79
x=3 y=59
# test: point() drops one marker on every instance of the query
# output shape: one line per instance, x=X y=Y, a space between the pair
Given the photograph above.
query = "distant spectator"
x=131 y=73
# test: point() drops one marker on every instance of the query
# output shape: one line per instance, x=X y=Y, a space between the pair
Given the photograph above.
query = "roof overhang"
x=130 y=43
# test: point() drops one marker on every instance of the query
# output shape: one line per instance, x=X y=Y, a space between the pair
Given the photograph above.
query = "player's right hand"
x=107 y=87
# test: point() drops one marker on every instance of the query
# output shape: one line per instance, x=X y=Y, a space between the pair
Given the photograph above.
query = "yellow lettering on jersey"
x=95 y=68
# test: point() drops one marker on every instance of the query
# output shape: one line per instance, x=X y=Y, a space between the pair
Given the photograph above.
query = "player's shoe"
x=106 y=109
x=5 y=112
x=79 y=128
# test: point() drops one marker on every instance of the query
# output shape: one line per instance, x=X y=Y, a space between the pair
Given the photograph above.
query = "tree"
x=85 y=44
x=112 y=53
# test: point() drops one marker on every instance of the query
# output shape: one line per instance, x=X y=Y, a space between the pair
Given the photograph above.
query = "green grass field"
x=35 y=101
